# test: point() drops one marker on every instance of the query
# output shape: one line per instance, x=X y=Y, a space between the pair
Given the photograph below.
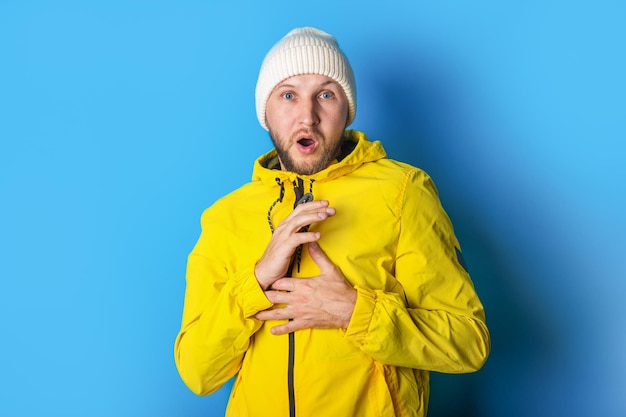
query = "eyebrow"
x=324 y=84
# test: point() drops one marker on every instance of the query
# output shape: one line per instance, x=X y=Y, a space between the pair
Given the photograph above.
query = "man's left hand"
x=323 y=301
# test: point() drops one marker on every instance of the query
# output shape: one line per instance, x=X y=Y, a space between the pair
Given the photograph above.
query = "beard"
x=325 y=157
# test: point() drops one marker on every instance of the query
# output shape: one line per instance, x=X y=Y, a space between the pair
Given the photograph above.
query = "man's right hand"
x=274 y=263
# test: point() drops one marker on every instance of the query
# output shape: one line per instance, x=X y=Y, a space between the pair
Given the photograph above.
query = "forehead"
x=309 y=81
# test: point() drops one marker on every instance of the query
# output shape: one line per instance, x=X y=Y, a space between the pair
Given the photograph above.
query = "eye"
x=288 y=96
x=326 y=95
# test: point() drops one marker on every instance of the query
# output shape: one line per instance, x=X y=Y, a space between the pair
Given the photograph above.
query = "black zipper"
x=290 y=384
x=291 y=361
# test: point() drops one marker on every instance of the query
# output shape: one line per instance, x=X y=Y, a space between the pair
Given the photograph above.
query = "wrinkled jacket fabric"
x=416 y=310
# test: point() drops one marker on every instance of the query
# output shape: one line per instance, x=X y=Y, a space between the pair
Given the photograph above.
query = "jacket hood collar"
x=364 y=151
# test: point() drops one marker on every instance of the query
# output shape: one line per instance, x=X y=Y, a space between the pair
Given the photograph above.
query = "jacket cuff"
x=362 y=315
x=249 y=294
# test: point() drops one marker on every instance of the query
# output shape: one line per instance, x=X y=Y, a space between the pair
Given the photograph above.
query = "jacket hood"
x=267 y=170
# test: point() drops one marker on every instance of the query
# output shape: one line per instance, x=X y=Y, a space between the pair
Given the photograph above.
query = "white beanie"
x=304 y=51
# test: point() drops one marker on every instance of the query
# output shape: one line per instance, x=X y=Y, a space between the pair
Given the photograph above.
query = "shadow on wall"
x=422 y=112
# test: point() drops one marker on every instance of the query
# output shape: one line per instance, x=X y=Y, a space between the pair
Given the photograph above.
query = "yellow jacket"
x=416 y=311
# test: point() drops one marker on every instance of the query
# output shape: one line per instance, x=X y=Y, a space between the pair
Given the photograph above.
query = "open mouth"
x=306 y=142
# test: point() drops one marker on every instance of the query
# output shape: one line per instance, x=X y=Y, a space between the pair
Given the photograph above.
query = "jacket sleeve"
x=438 y=323
x=218 y=315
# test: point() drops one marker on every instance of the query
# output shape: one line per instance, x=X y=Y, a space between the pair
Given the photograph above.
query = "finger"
x=272 y=314
x=296 y=221
x=290 y=326
x=301 y=238
x=308 y=213
x=312 y=205
x=285 y=284
x=277 y=297
x=319 y=257
x=283 y=247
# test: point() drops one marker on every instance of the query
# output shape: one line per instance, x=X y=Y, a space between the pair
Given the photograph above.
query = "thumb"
x=319 y=257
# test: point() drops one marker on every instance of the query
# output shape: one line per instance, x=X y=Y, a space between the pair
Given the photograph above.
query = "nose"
x=308 y=113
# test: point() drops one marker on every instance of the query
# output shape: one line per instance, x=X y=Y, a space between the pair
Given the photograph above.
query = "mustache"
x=308 y=132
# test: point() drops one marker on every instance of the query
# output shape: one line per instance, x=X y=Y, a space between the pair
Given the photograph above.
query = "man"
x=332 y=283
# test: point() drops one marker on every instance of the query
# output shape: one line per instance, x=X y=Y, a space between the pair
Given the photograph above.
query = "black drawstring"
x=278 y=200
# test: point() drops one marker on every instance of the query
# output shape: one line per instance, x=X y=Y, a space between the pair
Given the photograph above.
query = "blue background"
x=120 y=121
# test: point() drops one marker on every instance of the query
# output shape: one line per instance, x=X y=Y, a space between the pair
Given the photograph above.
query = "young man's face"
x=306 y=116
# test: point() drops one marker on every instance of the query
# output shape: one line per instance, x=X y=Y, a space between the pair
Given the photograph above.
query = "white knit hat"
x=304 y=51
